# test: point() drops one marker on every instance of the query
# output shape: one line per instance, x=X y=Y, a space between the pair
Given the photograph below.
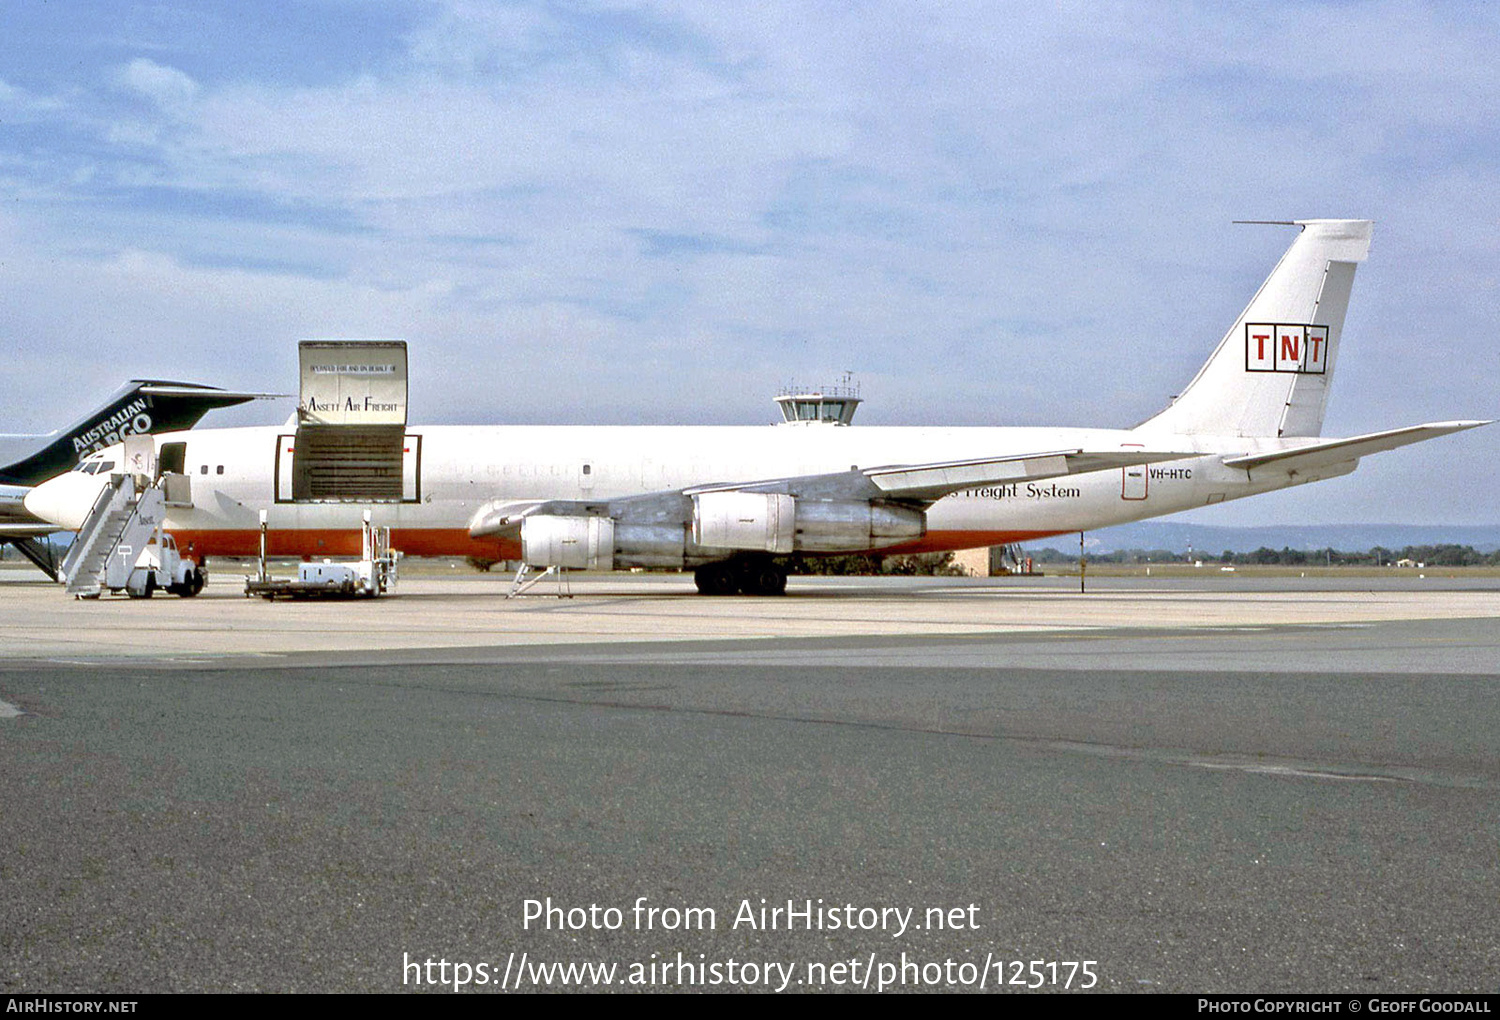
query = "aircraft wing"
x=1333 y=451
x=917 y=485
x=10 y=531
x=503 y=517
x=928 y=483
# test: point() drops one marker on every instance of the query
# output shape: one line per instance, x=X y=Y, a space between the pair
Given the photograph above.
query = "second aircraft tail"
x=141 y=406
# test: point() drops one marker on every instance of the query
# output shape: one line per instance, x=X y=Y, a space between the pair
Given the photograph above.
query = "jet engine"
x=778 y=523
x=720 y=525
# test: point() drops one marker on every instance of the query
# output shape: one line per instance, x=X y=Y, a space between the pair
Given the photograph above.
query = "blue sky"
x=655 y=212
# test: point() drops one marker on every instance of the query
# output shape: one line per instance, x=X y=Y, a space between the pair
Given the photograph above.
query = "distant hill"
x=1210 y=540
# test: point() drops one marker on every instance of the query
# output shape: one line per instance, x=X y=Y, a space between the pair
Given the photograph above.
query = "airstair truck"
x=121 y=545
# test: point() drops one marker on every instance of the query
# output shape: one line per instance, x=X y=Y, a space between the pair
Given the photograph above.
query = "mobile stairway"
x=121 y=545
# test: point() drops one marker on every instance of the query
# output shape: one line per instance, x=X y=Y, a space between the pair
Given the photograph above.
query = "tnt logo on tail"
x=1283 y=347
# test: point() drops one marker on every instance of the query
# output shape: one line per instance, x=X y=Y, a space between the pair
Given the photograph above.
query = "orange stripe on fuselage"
x=945 y=541
x=341 y=542
x=456 y=542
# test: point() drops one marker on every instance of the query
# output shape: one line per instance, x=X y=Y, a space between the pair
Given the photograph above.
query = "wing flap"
x=960 y=474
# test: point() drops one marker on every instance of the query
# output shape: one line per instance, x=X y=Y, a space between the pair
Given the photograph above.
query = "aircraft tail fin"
x=1270 y=375
x=140 y=406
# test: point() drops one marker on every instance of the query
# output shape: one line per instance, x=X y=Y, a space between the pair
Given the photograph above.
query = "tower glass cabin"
x=831 y=405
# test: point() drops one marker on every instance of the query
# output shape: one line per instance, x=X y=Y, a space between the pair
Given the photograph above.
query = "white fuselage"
x=236 y=474
x=1268 y=377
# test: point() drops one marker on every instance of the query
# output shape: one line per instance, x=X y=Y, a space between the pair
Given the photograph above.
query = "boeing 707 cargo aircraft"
x=728 y=501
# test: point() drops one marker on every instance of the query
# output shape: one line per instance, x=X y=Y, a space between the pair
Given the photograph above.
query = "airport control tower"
x=830 y=405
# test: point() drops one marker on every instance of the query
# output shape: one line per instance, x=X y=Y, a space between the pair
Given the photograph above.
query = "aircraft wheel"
x=715 y=579
x=764 y=579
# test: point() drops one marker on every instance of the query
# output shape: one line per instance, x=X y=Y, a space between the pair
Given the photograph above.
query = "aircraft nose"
x=65 y=500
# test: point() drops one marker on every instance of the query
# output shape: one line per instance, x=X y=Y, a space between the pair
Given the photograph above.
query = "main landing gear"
x=747 y=575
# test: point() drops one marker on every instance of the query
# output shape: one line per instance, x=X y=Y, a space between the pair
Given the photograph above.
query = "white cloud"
x=170 y=89
x=18 y=105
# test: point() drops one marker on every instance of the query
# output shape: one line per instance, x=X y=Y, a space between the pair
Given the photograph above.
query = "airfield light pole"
x=1083 y=565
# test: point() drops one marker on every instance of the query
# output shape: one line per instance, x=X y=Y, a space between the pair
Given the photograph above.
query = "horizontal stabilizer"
x=1333 y=451
x=206 y=394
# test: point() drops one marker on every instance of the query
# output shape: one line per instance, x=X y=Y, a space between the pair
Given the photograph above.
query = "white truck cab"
x=162 y=567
